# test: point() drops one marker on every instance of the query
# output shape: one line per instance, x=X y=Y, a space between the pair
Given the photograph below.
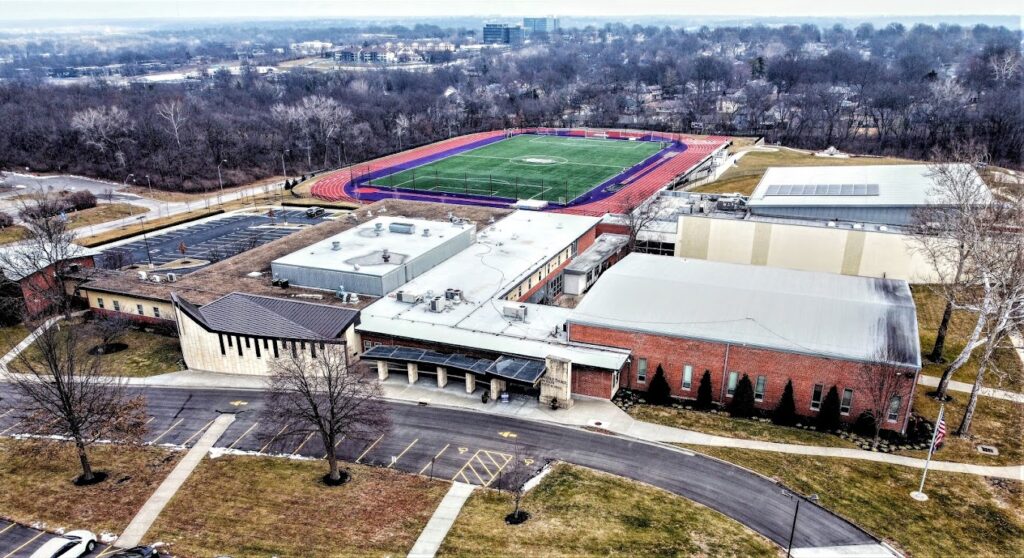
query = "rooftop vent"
x=336 y=245
x=426 y=232
x=385 y=256
x=378 y=228
x=832 y=224
x=407 y=297
x=402 y=228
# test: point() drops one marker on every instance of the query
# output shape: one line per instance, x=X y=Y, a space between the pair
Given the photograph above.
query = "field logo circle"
x=540 y=160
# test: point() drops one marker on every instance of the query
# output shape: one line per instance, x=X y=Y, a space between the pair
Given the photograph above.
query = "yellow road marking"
x=399 y=456
x=362 y=455
x=28 y=542
x=110 y=550
x=508 y=458
x=165 y=432
x=207 y=425
x=475 y=473
x=267 y=445
x=310 y=435
x=244 y=434
x=436 y=457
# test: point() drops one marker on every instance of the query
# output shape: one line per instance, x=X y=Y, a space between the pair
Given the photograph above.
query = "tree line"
x=893 y=91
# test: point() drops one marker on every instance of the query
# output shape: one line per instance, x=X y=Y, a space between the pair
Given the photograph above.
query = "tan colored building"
x=844 y=249
x=245 y=334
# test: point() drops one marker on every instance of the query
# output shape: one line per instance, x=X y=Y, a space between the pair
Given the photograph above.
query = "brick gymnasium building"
x=34 y=269
x=817 y=329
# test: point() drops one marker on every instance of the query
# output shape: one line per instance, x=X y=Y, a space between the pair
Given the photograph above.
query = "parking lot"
x=18 y=541
x=211 y=240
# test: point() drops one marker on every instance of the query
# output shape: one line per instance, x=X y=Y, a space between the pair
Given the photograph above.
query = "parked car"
x=314 y=212
x=69 y=545
x=137 y=552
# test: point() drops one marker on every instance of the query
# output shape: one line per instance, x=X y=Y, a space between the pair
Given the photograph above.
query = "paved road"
x=476 y=448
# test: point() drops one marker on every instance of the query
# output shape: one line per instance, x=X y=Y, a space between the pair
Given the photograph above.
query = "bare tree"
x=107 y=129
x=883 y=381
x=638 y=213
x=108 y=329
x=45 y=258
x=948 y=232
x=63 y=394
x=514 y=477
x=324 y=395
x=402 y=124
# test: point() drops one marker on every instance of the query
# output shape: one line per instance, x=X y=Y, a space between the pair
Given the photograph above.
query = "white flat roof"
x=504 y=254
x=854 y=186
x=362 y=246
x=839 y=316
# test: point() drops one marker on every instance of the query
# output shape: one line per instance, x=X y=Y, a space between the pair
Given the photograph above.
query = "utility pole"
x=220 y=197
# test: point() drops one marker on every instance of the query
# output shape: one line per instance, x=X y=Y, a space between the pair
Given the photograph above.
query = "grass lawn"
x=579 y=512
x=37 y=487
x=147 y=354
x=102 y=213
x=966 y=515
x=548 y=168
x=11 y=336
x=262 y=506
x=744 y=176
x=13 y=233
x=733 y=427
x=996 y=422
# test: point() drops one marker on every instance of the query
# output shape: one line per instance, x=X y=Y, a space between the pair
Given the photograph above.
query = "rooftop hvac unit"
x=402 y=228
x=143 y=275
x=336 y=245
x=858 y=226
x=516 y=312
x=172 y=277
x=832 y=224
x=155 y=278
x=453 y=294
x=407 y=297
x=426 y=232
x=437 y=304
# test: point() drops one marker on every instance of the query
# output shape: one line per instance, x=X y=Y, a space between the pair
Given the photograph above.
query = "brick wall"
x=34 y=288
x=591 y=382
x=673 y=354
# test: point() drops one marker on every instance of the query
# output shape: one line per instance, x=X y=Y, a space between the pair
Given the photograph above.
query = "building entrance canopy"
x=510 y=368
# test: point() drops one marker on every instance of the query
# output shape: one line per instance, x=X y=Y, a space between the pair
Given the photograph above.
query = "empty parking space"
x=18 y=541
x=210 y=240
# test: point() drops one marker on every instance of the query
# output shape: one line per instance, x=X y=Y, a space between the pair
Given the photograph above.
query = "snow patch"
x=214 y=453
x=107 y=538
x=534 y=481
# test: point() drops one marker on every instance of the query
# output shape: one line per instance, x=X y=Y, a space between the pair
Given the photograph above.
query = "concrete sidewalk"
x=441 y=522
x=26 y=343
x=143 y=520
x=964 y=387
x=586 y=411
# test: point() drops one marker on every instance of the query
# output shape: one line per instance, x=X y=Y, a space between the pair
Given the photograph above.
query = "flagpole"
x=919 y=494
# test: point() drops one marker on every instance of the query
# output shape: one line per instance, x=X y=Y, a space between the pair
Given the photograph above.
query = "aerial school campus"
x=525 y=291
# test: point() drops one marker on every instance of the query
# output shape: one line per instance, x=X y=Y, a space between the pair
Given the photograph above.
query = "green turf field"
x=549 y=168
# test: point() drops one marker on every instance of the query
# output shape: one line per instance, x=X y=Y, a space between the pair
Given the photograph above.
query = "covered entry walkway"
x=522 y=373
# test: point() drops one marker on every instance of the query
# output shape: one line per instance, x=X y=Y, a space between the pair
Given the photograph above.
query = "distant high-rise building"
x=540 y=24
x=502 y=34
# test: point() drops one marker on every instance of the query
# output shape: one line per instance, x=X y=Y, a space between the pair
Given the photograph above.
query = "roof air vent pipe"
x=336 y=245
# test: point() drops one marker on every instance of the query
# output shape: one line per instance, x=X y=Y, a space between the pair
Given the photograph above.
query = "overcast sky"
x=262 y=9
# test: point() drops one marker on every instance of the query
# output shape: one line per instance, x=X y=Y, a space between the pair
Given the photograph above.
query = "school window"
x=295 y=350
x=731 y=387
x=641 y=370
x=99 y=303
x=894 y=408
x=246 y=342
x=312 y=350
x=276 y=354
x=367 y=346
x=156 y=311
x=816 y=396
x=220 y=338
x=759 y=386
x=687 y=376
x=266 y=344
x=238 y=343
x=256 y=345
x=138 y=307
x=117 y=306
x=847 y=401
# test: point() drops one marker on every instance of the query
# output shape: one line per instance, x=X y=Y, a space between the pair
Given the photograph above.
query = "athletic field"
x=549 y=168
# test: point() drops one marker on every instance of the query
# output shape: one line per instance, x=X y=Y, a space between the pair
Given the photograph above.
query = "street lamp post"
x=125 y=184
x=796 y=513
x=145 y=239
x=220 y=179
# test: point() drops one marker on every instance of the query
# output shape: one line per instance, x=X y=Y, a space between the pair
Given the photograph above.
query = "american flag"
x=940 y=430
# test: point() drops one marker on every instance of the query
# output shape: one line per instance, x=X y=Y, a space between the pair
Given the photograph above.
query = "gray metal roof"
x=849 y=186
x=838 y=316
x=263 y=316
x=513 y=368
x=604 y=247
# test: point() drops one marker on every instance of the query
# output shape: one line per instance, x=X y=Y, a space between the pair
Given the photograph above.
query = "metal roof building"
x=374 y=258
x=881 y=194
x=820 y=314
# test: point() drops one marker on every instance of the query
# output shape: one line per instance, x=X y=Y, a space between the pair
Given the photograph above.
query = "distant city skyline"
x=299 y=9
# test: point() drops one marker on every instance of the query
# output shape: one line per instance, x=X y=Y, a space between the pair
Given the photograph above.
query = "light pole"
x=149 y=184
x=145 y=239
x=220 y=197
x=125 y=184
x=796 y=513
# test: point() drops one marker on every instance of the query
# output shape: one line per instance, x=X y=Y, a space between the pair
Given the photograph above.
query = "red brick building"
x=34 y=270
x=773 y=325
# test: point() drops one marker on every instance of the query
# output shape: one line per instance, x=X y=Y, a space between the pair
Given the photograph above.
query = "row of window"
x=236 y=341
x=761 y=384
x=139 y=309
x=518 y=291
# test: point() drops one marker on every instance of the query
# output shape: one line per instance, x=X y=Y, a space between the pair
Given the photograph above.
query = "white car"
x=69 y=545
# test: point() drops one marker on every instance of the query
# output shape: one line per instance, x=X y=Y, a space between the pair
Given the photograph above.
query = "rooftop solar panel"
x=822 y=190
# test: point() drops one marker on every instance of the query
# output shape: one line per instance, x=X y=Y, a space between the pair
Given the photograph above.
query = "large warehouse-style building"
x=879 y=194
x=773 y=325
